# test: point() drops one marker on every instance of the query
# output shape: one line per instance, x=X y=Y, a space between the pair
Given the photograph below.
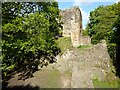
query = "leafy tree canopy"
x=105 y=24
x=28 y=34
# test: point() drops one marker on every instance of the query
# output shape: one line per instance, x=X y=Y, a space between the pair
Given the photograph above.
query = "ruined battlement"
x=72 y=27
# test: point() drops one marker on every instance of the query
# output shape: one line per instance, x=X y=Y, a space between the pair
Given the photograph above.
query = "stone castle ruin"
x=77 y=69
x=72 y=26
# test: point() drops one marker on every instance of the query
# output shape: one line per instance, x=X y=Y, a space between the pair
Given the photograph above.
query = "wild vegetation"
x=105 y=24
x=64 y=43
x=28 y=34
x=29 y=31
x=105 y=84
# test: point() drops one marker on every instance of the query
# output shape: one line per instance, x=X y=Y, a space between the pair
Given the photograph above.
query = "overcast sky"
x=85 y=6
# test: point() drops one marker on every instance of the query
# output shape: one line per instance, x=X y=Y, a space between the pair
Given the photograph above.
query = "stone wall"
x=85 y=40
x=85 y=65
x=72 y=26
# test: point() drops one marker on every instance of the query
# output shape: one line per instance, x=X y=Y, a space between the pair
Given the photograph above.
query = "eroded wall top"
x=72 y=26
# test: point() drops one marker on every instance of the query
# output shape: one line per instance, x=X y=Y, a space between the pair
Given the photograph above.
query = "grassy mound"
x=64 y=43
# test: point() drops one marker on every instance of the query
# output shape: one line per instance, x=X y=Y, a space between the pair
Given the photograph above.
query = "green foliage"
x=25 y=39
x=64 y=43
x=105 y=84
x=105 y=24
x=101 y=23
x=11 y=10
x=85 y=33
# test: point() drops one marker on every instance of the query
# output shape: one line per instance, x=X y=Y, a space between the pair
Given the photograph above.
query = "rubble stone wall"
x=72 y=24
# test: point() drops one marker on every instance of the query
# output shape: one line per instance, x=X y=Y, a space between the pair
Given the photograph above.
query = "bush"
x=85 y=33
x=25 y=41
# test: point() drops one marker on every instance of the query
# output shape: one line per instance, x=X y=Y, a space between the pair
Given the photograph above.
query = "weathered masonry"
x=72 y=26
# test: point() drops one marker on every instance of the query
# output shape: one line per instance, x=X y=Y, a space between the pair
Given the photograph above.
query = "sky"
x=85 y=6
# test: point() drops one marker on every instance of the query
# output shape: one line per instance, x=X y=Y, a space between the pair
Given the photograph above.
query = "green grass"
x=82 y=47
x=53 y=79
x=50 y=79
x=106 y=84
x=64 y=43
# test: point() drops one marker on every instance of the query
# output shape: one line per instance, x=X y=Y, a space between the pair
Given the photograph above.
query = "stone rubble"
x=85 y=65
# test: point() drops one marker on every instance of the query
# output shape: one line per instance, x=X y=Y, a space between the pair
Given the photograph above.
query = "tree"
x=116 y=40
x=104 y=24
x=29 y=35
x=11 y=10
x=101 y=23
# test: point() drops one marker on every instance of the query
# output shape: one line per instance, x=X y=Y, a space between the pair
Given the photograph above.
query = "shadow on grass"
x=22 y=87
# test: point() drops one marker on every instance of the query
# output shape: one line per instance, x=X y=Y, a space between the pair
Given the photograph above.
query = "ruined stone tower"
x=72 y=26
